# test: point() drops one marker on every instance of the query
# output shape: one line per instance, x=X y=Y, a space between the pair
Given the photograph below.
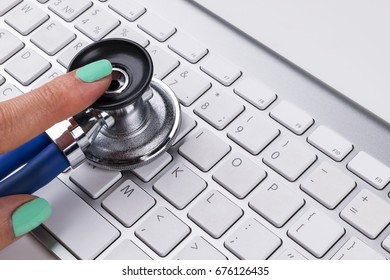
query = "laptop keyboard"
x=250 y=176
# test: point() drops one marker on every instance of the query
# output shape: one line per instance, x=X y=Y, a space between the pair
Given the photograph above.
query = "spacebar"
x=74 y=223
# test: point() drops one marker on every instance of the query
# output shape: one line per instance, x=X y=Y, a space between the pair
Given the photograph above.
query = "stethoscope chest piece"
x=144 y=113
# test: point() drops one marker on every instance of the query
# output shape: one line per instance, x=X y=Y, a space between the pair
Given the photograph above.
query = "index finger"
x=24 y=117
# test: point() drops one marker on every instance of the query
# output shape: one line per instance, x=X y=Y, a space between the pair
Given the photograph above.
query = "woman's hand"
x=24 y=117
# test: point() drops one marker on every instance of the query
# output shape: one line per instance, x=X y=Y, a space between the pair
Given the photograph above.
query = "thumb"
x=20 y=214
x=24 y=117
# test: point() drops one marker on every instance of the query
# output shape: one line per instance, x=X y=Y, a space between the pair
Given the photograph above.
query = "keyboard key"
x=27 y=66
x=204 y=149
x=127 y=250
x=180 y=186
x=2 y=80
x=187 y=124
x=188 y=48
x=147 y=172
x=330 y=143
x=316 y=232
x=163 y=62
x=289 y=158
x=43 y=1
x=156 y=27
x=252 y=241
x=6 y=5
x=68 y=10
x=9 y=45
x=370 y=169
x=386 y=244
x=93 y=180
x=128 y=203
x=199 y=249
x=9 y=91
x=239 y=175
x=220 y=69
x=52 y=37
x=129 y=9
x=70 y=52
x=215 y=214
x=368 y=213
x=218 y=109
x=355 y=249
x=328 y=185
x=26 y=17
x=124 y=31
x=245 y=132
x=276 y=202
x=47 y=77
x=74 y=223
x=162 y=231
x=96 y=23
x=291 y=255
x=292 y=117
x=187 y=85
x=255 y=92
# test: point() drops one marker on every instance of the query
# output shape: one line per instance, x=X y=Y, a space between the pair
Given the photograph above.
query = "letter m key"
x=127 y=190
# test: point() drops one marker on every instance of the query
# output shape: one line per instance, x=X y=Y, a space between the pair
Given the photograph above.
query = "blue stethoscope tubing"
x=42 y=161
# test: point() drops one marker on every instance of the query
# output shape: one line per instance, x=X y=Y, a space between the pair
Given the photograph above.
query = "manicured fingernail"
x=30 y=215
x=94 y=71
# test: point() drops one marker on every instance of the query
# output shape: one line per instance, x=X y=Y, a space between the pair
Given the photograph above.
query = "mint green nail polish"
x=30 y=215
x=94 y=71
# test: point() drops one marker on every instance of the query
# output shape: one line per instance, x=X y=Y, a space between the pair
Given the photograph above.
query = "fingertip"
x=30 y=215
x=9 y=205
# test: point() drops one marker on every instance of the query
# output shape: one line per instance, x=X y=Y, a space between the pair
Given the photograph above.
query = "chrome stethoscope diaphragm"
x=144 y=112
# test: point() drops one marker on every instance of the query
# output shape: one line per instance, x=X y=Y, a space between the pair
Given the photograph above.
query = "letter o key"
x=275 y=155
x=237 y=162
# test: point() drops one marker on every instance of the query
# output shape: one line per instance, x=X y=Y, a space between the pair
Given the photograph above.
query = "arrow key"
x=162 y=231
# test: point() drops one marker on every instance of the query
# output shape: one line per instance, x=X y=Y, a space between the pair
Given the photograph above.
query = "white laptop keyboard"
x=251 y=176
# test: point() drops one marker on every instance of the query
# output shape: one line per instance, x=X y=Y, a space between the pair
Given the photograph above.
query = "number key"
x=69 y=9
x=245 y=132
x=218 y=109
x=96 y=23
x=290 y=159
x=187 y=85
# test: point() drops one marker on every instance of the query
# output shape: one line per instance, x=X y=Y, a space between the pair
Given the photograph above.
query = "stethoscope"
x=134 y=122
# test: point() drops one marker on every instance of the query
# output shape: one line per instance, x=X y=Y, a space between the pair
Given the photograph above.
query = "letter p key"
x=273 y=187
